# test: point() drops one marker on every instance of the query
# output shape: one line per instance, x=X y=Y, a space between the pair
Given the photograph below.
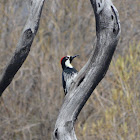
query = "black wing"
x=68 y=72
x=64 y=84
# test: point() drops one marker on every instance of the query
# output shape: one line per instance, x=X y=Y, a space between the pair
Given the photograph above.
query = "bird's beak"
x=75 y=56
x=72 y=57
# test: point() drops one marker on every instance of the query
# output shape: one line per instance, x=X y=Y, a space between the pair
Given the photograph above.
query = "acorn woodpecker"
x=68 y=73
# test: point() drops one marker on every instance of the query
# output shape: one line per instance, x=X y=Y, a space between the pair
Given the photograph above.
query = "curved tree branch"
x=108 y=32
x=24 y=44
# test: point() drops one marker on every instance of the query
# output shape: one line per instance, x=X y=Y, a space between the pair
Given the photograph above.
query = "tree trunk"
x=108 y=33
x=24 y=44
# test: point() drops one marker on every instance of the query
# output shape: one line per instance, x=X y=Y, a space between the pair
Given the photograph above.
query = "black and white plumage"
x=68 y=73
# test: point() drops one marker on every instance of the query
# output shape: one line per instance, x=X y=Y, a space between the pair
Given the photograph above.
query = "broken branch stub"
x=23 y=47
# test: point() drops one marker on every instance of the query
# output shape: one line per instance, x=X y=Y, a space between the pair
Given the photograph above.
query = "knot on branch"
x=64 y=131
x=27 y=34
x=115 y=17
x=56 y=133
x=99 y=5
x=27 y=38
x=69 y=126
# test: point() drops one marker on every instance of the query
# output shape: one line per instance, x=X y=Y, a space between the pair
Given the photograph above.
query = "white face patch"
x=68 y=64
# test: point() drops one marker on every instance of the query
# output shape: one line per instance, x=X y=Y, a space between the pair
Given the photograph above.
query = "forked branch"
x=108 y=32
x=24 y=44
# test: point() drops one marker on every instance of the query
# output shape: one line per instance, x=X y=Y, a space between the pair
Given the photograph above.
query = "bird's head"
x=66 y=61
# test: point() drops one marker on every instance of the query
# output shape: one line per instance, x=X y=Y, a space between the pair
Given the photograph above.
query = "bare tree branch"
x=108 y=32
x=24 y=44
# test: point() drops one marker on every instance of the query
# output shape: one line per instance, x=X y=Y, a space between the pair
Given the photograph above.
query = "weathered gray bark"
x=108 y=32
x=24 y=44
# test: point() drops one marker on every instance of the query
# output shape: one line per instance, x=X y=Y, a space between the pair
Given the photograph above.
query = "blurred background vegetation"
x=30 y=105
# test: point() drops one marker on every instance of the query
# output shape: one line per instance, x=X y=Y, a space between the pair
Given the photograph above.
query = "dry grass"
x=30 y=105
